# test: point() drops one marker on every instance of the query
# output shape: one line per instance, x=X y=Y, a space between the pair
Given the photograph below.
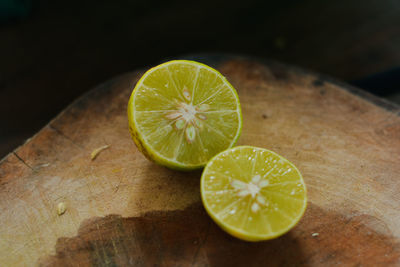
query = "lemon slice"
x=182 y=113
x=253 y=193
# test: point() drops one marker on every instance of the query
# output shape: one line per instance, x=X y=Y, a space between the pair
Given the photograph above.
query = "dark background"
x=51 y=52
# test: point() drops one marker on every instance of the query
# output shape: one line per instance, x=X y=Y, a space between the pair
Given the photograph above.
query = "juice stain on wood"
x=189 y=236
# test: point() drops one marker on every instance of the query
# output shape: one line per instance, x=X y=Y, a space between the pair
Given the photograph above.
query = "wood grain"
x=124 y=210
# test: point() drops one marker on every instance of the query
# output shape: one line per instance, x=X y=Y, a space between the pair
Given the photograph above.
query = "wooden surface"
x=124 y=210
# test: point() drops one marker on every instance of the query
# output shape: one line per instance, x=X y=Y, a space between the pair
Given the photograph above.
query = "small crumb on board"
x=97 y=151
x=61 y=208
x=315 y=234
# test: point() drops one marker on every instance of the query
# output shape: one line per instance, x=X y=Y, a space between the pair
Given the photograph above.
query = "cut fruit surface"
x=253 y=193
x=182 y=113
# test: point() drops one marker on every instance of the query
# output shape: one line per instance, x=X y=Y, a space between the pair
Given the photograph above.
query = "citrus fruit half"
x=182 y=113
x=253 y=193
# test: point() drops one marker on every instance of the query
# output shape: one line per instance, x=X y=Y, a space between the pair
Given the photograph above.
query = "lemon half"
x=253 y=193
x=182 y=113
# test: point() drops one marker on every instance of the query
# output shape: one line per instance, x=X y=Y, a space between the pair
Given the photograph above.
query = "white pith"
x=188 y=117
x=253 y=189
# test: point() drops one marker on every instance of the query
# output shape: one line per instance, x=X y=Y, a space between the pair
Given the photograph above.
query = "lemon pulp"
x=182 y=113
x=253 y=193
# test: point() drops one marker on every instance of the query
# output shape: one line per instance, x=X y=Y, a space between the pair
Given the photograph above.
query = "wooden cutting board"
x=123 y=210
